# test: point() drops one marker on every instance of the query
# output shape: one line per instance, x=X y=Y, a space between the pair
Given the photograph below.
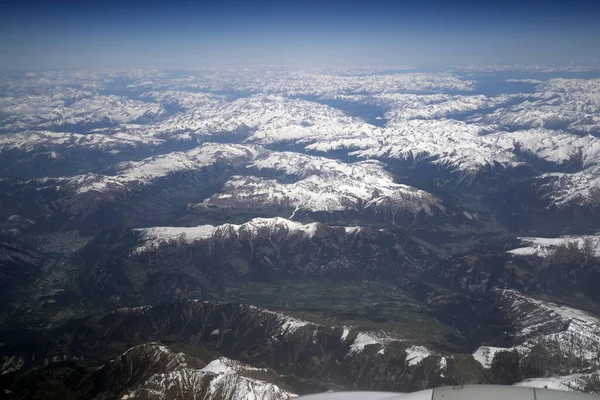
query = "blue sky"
x=232 y=33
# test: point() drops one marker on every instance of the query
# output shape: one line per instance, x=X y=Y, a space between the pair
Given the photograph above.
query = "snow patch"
x=11 y=364
x=153 y=238
x=345 y=333
x=575 y=332
x=485 y=355
x=291 y=325
x=217 y=367
x=416 y=354
x=368 y=338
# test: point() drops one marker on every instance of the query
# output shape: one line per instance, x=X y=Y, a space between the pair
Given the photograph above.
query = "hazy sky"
x=173 y=33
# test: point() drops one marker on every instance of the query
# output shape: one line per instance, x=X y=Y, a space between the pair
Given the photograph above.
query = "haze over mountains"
x=264 y=233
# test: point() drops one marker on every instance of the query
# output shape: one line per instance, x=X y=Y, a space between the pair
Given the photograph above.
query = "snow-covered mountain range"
x=467 y=132
x=248 y=234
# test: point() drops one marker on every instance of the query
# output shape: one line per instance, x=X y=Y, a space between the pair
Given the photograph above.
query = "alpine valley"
x=263 y=234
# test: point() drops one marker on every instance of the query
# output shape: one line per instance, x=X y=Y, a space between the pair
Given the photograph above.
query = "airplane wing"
x=465 y=392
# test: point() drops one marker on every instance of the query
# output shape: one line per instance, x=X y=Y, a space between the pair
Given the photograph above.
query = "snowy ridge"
x=437 y=106
x=277 y=119
x=580 y=188
x=237 y=387
x=556 y=147
x=146 y=171
x=259 y=119
x=231 y=383
x=536 y=317
x=304 y=165
x=156 y=236
x=450 y=143
x=323 y=185
x=317 y=83
x=154 y=353
x=414 y=354
x=573 y=333
x=57 y=141
x=572 y=104
x=543 y=247
x=72 y=107
x=222 y=378
x=206 y=103
x=467 y=147
x=286 y=325
x=227 y=366
x=320 y=194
